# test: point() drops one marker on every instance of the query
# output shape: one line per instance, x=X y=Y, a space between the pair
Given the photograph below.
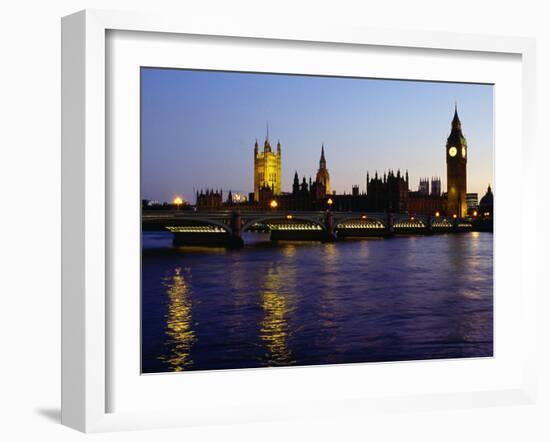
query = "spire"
x=322 y=161
x=267 y=130
x=456 y=121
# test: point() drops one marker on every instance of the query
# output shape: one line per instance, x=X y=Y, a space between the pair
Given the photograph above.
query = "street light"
x=437 y=214
x=475 y=212
x=273 y=204
x=178 y=201
x=330 y=202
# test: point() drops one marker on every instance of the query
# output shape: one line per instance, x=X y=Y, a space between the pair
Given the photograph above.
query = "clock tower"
x=456 y=152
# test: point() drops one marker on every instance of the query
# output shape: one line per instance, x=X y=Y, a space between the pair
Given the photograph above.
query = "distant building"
x=267 y=169
x=436 y=187
x=323 y=178
x=486 y=204
x=420 y=204
x=209 y=199
x=471 y=202
x=388 y=193
x=424 y=186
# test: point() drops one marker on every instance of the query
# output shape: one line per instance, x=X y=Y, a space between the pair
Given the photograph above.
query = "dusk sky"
x=199 y=127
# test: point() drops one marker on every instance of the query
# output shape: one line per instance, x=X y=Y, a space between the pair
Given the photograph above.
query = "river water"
x=304 y=303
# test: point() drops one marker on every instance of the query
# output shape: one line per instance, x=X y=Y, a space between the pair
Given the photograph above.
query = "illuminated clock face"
x=452 y=151
x=463 y=152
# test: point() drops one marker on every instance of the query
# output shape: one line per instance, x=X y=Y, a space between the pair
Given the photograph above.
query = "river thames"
x=308 y=303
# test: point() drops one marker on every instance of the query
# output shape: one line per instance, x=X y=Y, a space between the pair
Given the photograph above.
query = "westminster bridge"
x=226 y=227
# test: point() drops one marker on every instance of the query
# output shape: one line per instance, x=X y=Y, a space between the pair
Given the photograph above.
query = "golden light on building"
x=273 y=204
x=267 y=168
x=330 y=202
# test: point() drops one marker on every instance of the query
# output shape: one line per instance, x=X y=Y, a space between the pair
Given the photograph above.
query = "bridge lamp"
x=273 y=204
x=289 y=217
x=437 y=214
x=454 y=215
x=178 y=201
x=475 y=213
x=363 y=216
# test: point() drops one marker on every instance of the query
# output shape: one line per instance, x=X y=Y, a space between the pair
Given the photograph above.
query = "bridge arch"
x=282 y=217
x=373 y=218
x=193 y=221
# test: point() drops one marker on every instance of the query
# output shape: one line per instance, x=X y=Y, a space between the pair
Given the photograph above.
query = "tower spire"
x=456 y=124
x=267 y=130
x=322 y=161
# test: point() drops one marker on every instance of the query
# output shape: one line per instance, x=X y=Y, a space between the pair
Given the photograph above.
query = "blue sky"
x=199 y=127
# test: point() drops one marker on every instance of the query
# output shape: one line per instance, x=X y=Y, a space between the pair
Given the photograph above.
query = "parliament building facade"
x=387 y=192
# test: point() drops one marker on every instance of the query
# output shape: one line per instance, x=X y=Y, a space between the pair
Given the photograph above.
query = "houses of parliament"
x=386 y=192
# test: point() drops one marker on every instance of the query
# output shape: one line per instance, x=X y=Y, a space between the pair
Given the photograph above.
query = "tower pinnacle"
x=456 y=124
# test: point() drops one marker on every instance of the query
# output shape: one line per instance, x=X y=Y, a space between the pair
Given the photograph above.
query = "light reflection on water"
x=274 y=325
x=312 y=303
x=179 y=331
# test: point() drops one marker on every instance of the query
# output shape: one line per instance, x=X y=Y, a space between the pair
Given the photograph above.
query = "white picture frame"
x=86 y=315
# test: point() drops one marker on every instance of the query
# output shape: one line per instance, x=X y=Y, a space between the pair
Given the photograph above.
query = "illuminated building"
x=456 y=153
x=267 y=169
x=323 y=177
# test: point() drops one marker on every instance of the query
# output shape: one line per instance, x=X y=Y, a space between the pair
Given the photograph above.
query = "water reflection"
x=181 y=336
x=315 y=303
x=274 y=328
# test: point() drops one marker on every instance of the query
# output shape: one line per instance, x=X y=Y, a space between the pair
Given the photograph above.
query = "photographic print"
x=298 y=220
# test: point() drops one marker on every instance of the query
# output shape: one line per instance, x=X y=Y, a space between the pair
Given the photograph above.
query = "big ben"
x=457 y=156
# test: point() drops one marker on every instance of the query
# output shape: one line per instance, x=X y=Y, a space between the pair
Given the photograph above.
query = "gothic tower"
x=323 y=176
x=456 y=152
x=267 y=168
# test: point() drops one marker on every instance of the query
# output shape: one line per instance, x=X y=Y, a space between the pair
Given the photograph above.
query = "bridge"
x=225 y=227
